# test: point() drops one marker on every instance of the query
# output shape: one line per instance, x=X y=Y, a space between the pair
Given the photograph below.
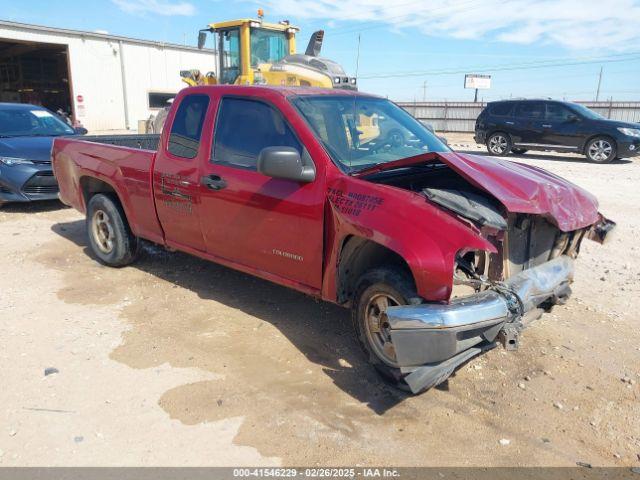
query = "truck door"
x=272 y=225
x=176 y=174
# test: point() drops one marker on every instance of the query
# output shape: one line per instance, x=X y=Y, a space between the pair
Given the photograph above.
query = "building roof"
x=84 y=34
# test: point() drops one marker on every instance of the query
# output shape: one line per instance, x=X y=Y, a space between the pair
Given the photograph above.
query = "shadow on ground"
x=32 y=207
x=544 y=156
x=321 y=331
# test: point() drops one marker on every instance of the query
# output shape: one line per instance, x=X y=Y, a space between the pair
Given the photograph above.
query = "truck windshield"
x=268 y=46
x=29 y=121
x=361 y=132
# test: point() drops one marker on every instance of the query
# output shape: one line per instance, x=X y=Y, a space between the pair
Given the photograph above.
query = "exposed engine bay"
x=523 y=241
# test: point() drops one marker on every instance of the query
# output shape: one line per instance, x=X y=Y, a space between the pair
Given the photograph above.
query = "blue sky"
x=551 y=48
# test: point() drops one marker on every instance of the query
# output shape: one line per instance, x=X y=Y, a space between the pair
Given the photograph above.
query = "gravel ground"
x=176 y=361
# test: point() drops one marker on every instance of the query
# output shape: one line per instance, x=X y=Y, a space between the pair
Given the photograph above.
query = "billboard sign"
x=472 y=80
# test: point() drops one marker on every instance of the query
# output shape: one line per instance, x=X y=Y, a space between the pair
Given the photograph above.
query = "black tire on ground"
x=110 y=237
x=376 y=289
x=518 y=151
x=601 y=150
x=499 y=144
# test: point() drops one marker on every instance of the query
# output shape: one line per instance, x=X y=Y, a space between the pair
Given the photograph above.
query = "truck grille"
x=41 y=183
x=530 y=242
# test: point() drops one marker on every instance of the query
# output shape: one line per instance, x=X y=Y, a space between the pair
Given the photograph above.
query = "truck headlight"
x=336 y=79
x=11 y=161
x=630 y=132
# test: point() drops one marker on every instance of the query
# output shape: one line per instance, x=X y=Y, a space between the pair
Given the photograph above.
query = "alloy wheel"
x=102 y=231
x=377 y=327
x=600 y=150
x=498 y=144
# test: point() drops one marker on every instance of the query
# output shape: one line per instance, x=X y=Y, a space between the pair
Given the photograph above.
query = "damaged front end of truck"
x=535 y=222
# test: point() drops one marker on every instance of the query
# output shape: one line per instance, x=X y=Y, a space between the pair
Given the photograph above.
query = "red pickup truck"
x=440 y=255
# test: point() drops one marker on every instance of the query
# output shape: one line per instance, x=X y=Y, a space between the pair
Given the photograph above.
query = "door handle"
x=546 y=125
x=214 y=182
x=509 y=123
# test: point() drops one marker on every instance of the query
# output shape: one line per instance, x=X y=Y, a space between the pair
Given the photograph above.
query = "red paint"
x=292 y=233
x=80 y=98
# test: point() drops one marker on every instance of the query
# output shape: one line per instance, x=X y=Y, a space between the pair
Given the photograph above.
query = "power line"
x=497 y=68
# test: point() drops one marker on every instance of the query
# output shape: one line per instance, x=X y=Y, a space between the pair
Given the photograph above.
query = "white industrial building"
x=107 y=82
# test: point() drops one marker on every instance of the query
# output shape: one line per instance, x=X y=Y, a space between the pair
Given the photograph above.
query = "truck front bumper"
x=432 y=340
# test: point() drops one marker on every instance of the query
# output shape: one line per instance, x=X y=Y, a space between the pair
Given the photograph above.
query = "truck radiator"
x=530 y=241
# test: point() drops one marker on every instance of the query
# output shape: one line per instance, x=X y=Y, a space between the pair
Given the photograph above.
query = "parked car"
x=412 y=237
x=515 y=126
x=26 y=136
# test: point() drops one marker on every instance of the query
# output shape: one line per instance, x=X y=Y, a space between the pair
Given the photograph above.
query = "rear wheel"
x=601 y=150
x=499 y=144
x=377 y=290
x=110 y=237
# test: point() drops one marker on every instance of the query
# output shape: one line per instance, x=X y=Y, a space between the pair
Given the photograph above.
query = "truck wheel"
x=109 y=234
x=499 y=144
x=378 y=289
x=601 y=150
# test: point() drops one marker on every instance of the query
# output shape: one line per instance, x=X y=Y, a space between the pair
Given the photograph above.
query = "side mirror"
x=81 y=131
x=202 y=39
x=284 y=162
x=572 y=118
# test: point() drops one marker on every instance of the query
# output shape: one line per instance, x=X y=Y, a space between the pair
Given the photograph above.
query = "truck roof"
x=284 y=91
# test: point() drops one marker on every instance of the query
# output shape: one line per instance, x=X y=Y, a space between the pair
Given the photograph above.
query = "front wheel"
x=601 y=150
x=110 y=237
x=499 y=144
x=377 y=290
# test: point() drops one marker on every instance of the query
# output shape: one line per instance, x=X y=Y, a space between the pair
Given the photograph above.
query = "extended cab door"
x=268 y=224
x=176 y=173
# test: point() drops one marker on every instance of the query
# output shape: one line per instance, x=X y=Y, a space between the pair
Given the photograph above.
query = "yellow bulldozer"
x=255 y=52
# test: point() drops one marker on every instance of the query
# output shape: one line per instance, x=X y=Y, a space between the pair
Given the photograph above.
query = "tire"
x=518 y=151
x=376 y=286
x=395 y=138
x=109 y=234
x=601 y=150
x=499 y=144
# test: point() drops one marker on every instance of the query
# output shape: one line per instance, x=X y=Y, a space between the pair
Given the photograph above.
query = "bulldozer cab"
x=244 y=45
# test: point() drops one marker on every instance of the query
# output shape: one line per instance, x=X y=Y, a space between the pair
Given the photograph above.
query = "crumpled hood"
x=526 y=189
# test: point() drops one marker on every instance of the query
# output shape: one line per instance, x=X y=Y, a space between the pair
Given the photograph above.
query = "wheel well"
x=359 y=255
x=91 y=186
x=592 y=137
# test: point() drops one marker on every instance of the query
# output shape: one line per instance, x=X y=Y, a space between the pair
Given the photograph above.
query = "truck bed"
x=123 y=162
x=141 y=141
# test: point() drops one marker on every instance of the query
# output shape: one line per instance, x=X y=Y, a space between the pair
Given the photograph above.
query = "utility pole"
x=475 y=97
x=599 y=82
x=424 y=91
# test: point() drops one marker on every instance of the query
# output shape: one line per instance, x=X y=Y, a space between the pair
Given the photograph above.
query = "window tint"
x=500 y=109
x=530 y=110
x=244 y=128
x=558 y=113
x=186 y=130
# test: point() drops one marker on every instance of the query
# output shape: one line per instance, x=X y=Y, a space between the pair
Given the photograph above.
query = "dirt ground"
x=176 y=361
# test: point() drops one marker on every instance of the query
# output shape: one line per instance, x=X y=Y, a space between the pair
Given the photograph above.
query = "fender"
x=426 y=237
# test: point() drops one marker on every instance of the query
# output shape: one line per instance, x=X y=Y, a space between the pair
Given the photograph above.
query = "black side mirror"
x=572 y=118
x=81 y=130
x=285 y=162
x=202 y=39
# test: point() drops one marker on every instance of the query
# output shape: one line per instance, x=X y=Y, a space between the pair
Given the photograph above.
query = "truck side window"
x=244 y=128
x=186 y=130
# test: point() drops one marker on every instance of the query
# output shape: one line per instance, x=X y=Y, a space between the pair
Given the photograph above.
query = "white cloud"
x=158 y=7
x=573 y=24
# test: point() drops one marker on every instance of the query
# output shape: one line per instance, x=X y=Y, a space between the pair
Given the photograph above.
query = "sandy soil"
x=176 y=361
